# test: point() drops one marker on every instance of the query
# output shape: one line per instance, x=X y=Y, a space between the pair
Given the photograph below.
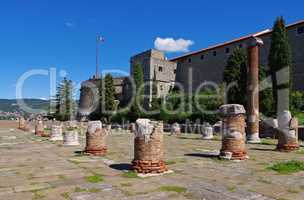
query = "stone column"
x=56 y=133
x=149 y=147
x=288 y=132
x=96 y=139
x=21 y=123
x=70 y=137
x=233 y=127
x=207 y=132
x=39 y=128
x=253 y=91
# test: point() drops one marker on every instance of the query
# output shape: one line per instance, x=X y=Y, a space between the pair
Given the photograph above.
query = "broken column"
x=207 y=132
x=96 y=139
x=56 y=133
x=287 y=132
x=253 y=91
x=233 y=126
x=175 y=129
x=22 y=124
x=39 y=128
x=149 y=147
x=70 y=137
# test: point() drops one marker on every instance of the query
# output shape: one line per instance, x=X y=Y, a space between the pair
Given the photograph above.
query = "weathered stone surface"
x=96 y=139
x=70 y=138
x=233 y=138
x=207 y=132
x=149 y=147
x=288 y=132
x=175 y=129
x=56 y=133
x=39 y=128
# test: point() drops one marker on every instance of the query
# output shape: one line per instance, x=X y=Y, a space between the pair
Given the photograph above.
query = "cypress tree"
x=138 y=77
x=266 y=97
x=109 y=96
x=279 y=59
x=65 y=104
x=236 y=71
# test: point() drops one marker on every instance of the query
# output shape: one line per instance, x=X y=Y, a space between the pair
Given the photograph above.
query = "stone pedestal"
x=253 y=91
x=149 y=147
x=287 y=132
x=56 y=133
x=207 y=132
x=96 y=139
x=70 y=138
x=22 y=123
x=175 y=129
x=233 y=138
x=39 y=128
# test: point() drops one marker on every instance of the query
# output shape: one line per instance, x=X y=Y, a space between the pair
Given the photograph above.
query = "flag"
x=100 y=39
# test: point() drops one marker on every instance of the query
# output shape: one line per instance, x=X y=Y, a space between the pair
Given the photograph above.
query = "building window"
x=214 y=53
x=202 y=57
x=160 y=68
x=300 y=30
x=241 y=45
x=189 y=60
x=227 y=50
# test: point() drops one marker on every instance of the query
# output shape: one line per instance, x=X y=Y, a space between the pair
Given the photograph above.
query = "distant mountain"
x=10 y=105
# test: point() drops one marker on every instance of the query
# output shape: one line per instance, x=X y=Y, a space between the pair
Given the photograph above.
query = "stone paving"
x=32 y=167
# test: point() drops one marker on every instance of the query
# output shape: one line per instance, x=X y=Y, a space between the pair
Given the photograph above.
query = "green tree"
x=108 y=94
x=138 y=77
x=236 y=72
x=266 y=96
x=65 y=104
x=280 y=58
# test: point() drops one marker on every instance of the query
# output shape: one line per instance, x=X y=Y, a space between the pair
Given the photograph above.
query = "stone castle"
x=194 y=68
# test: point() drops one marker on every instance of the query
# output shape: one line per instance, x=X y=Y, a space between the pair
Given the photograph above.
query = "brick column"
x=233 y=127
x=148 y=147
x=96 y=139
x=39 y=128
x=253 y=91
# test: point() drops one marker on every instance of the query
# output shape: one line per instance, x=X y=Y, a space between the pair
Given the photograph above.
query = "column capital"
x=255 y=41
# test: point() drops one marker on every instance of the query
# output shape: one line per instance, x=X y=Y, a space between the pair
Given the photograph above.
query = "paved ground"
x=34 y=168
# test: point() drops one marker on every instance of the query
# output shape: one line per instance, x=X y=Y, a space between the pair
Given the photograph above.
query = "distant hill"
x=10 y=105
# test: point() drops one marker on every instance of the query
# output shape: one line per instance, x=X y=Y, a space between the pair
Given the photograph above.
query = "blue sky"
x=40 y=34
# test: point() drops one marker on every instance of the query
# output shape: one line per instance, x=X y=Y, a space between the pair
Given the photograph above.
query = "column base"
x=288 y=147
x=253 y=138
x=235 y=155
x=147 y=167
x=96 y=152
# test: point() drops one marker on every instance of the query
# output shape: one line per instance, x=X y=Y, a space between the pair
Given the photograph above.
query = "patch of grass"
x=231 y=188
x=266 y=142
x=38 y=195
x=301 y=151
x=78 y=189
x=126 y=184
x=96 y=178
x=94 y=190
x=170 y=162
x=262 y=180
x=130 y=174
x=66 y=195
x=288 y=167
x=294 y=191
x=172 y=188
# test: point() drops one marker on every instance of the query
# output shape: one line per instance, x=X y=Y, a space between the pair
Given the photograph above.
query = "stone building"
x=208 y=64
x=156 y=69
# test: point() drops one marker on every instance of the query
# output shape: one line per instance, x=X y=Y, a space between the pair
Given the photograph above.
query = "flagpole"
x=97 y=58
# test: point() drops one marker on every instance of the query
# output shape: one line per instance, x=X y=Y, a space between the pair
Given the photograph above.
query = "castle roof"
x=261 y=33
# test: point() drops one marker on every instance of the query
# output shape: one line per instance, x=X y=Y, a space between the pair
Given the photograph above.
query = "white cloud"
x=70 y=24
x=172 y=45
